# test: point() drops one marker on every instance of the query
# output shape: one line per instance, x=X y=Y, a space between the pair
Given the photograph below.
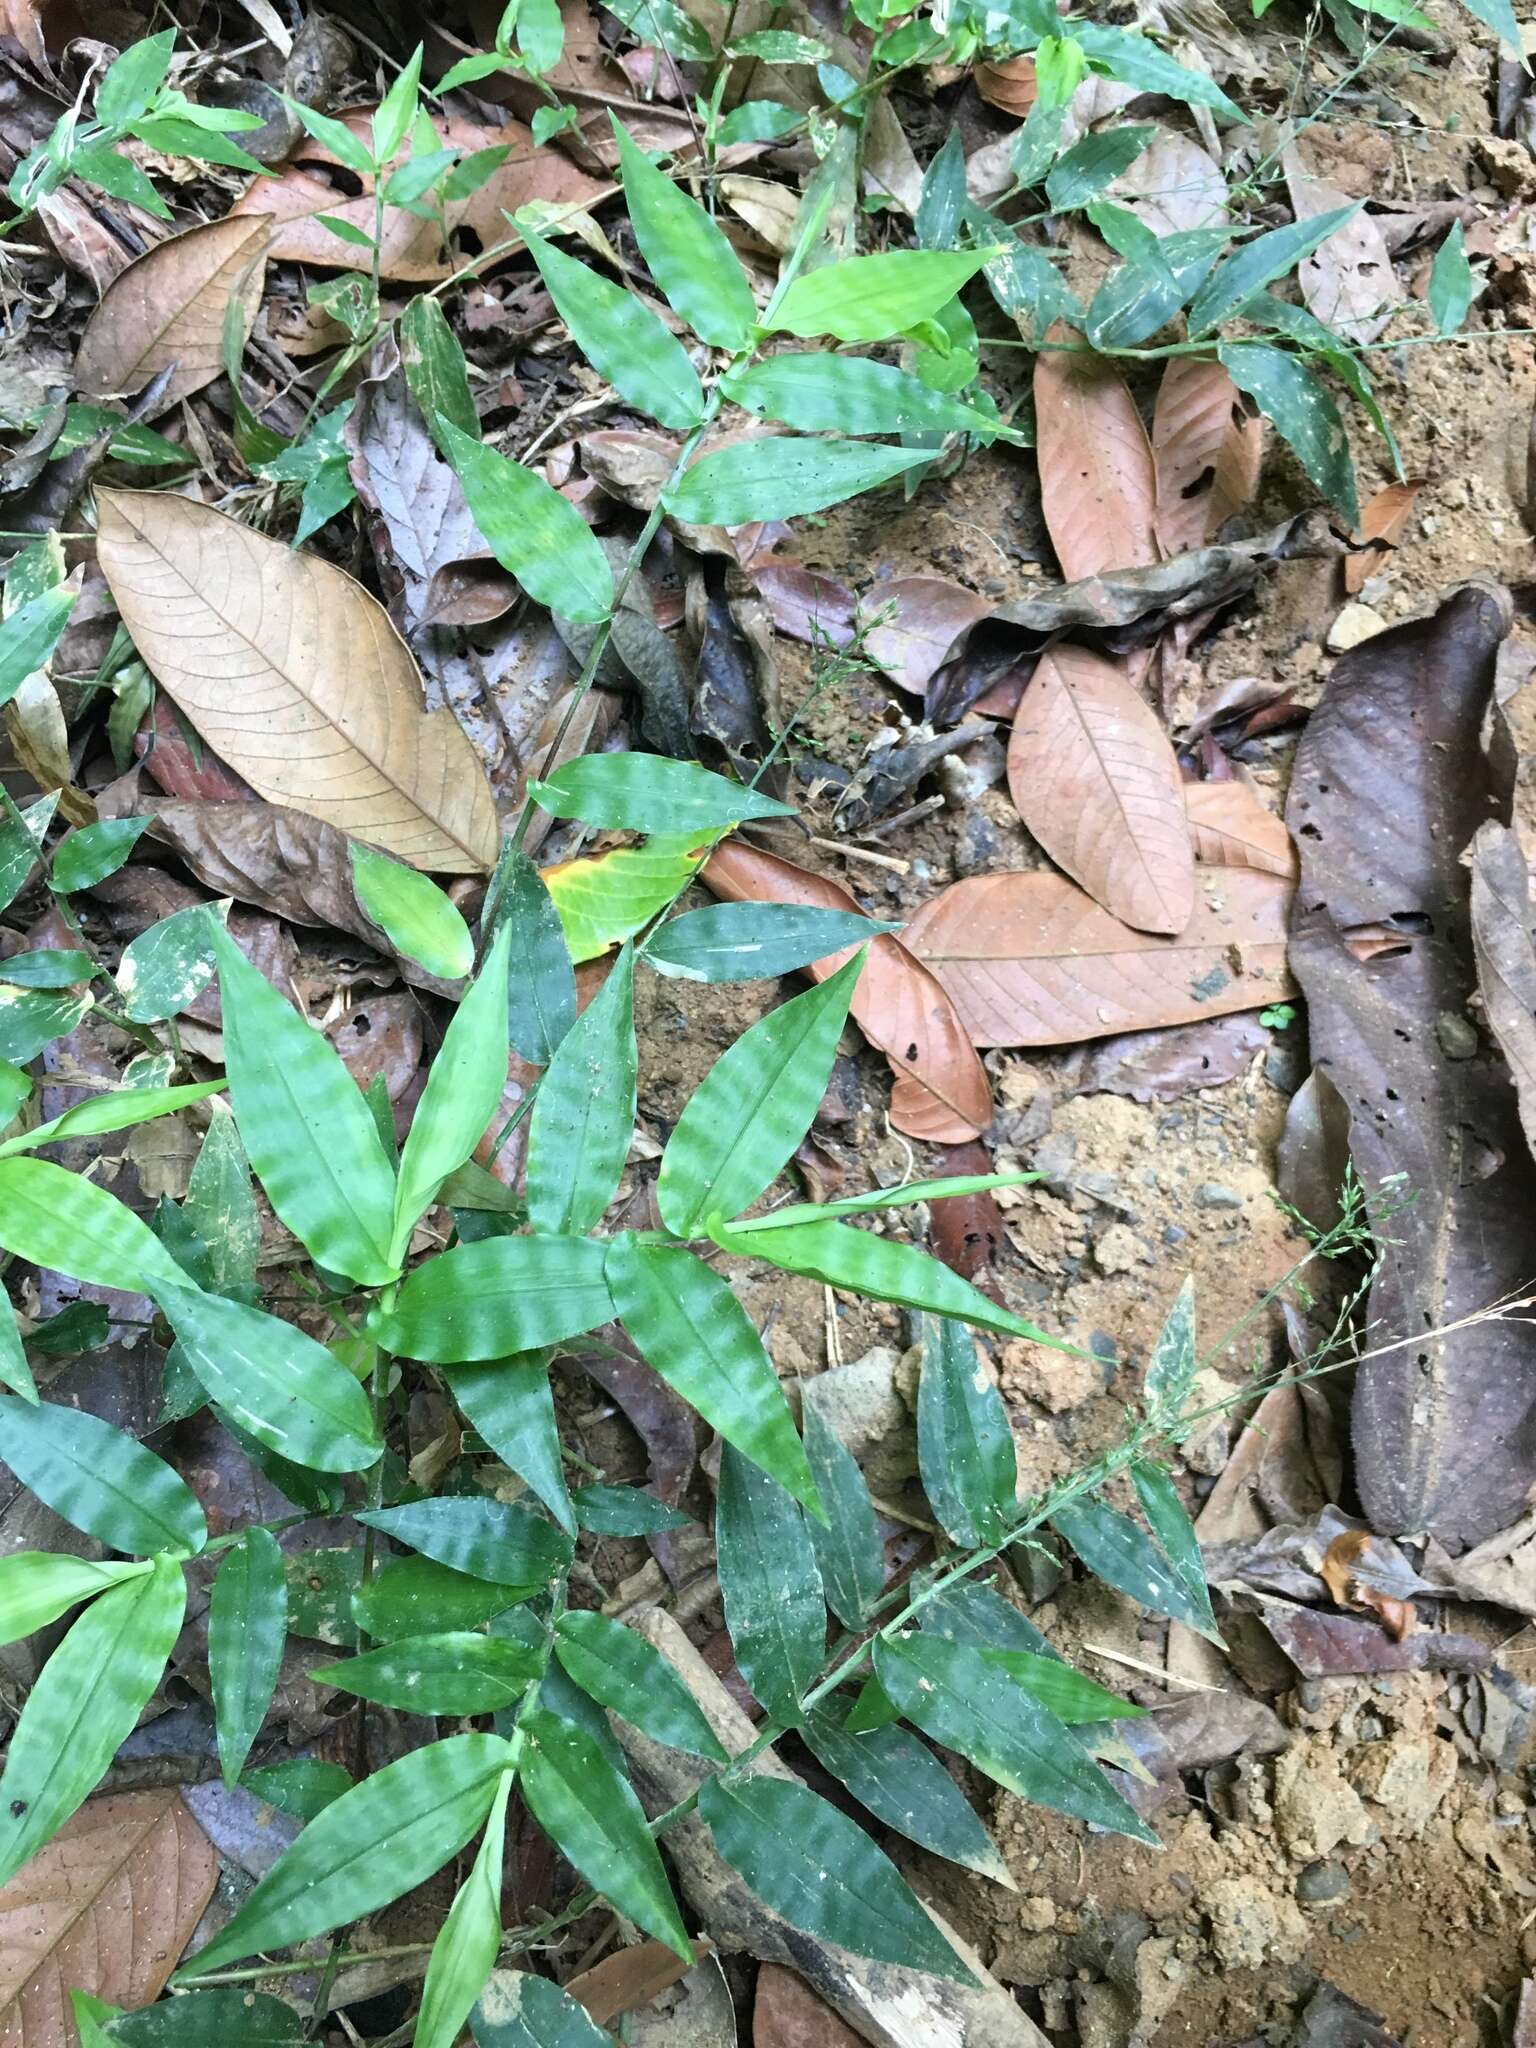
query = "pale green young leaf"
x=397 y=110
x=37 y=1586
x=904 y=1785
x=370 y=1846
x=234 y=2018
x=541 y=984
x=540 y=34
x=470 y=70
x=584 y=1113
x=607 y=898
x=305 y=1126
x=417 y=918
x=90 y=853
x=464 y=1953
x=274 y=1379
x=303 y=1788
x=1073 y=1699
x=1060 y=65
x=1169 y=1522
x=849 y=395
x=15 y=1372
x=1174 y=1359
x=488 y=1539
x=870 y=298
x=501 y=1295
x=687 y=253
x=782 y=477
x=628 y=1675
x=964 y=1443
x=247 y=1626
x=692 y=1330
x=434 y=365
x=457 y=1671
x=132 y=80
x=117 y=1111
x=757 y=121
x=67 y=1224
x=900 y=1197
x=1259 y=262
x=1124 y=1556
x=100 y=1479
x=1093 y=163
x=85 y=1704
x=1299 y=405
x=822 y=1873
x=592 y=1816
x=1451 y=282
x=770 y=1584
x=90 y=2016
x=221 y=1207
x=415 y=1595
x=621 y=338
x=744 y=1120
x=848 y=1547
x=508 y=1400
x=752 y=941
x=28 y=637
x=536 y=535
x=520 y=2010
x=649 y=793
x=19 y=842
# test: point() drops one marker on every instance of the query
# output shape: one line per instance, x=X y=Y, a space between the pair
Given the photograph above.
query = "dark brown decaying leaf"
x=1165 y=1065
x=1096 y=781
x=966 y=1231
x=1208 y=450
x=1028 y=959
x=1313 y=1153
x=1231 y=827
x=921 y=619
x=1506 y=959
x=786 y=2013
x=941 y=1091
x=803 y=603
x=1383 y=521
x=629 y=1978
x=1323 y=1645
x=1098 y=484
x=166 y=312
x=106 y=1907
x=1391 y=784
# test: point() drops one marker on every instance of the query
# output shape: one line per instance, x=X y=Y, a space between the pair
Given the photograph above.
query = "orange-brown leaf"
x=1010 y=86
x=924 y=617
x=941 y=1092
x=1030 y=960
x=166 y=312
x=1096 y=781
x=1098 y=485
x=1382 y=521
x=1208 y=453
x=630 y=1978
x=1232 y=828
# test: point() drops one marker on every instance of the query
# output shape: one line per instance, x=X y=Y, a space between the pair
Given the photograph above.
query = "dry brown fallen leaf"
x=1172 y=186
x=941 y=1094
x=107 y=1908
x=1012 y=87
x=923 y=617
x=630 y=1978
x=1207 y=451
x=1098 y=486
x=1348 y=1551
x=1506 y=959
x=1348 y=281
x=1232 y=828
x=1096 y=780
x=1382 y=521
x=786 y=2013
x=294 y=675
x=1028 y=959
x=166 y=312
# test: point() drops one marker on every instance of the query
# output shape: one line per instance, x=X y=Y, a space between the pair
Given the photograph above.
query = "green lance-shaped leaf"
x=903 y=1784
x=752 y=941
x=509 y=1401
x=15 y=1372
x=305 y=1126
x=247 y=1624
x=536 y=535
x=541 y=983
x=463 y=1092
x=842 y=1256
x=489 y=1539
x=819 y=392
x=85 y=1704
x=412 y=1596
x=501 y=1295
x=769 y=1581
x=19 y=842
x=782 y=477
x=519 y=2010
x=303 y=1788
x=696 y=1334
x=370 y=1846
x=234 y=2018
x=1137 y=60
x=822 y=1873
x=871 y=298
x=622 y=339
x=1125 y=1557
x=1500 y=17
x=649 y=793
x=292 y=1394
x=687 y=253
x=848 y=1547
x=1133 y=303
x=435 y=369
x=1171 y=1367
x=623 y=1511
x=1301 y=407
x=453 y=1672
x=37 y=1586
x=1088 y=166
x=1451 y=282
x=872 y=1199
x=593 y=1818
x=91 y=853
x=60 y=1221
x=29 y=636
x=464 y=1953
x=167 y=967
x=47 y=967
x=584 y=1113
x=625 y=1673
x=31 y=1018
x=744 y=1120
x=964 y=1444
x=1170 y=1524
x=1051 y=1680
x=959 y=1698
x=100 y=1479
x=221 y=1207
x=967 y=1612
x=415 y=915
x=1258 y=263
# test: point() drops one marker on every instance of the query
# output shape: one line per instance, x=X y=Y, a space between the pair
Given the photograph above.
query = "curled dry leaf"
x=1208 y=450
x=805 y=604
x=1098 y=484
x=941 y=1093
x=106 y=1908
x=1348 y=281
x=294 y=675
x=1028 y=959
x=1232 y=828
x=1011 y=86
x=1174 y=185
x=166 y=312
x=1506 y=959
x=1383 y=521
x=921 y=619
x=1097 y=782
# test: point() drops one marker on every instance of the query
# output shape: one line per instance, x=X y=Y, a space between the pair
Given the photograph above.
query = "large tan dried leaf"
x=107 y=1907
x=1097 y=782
x=1232 y=828
x=941 y=1093
x=1382 y=521
x=1030 y=960
x=1172 y=186
x=166 y=312
x=1098 y=487
x=294 y=675
x=1348 y=281
x=1207 y=451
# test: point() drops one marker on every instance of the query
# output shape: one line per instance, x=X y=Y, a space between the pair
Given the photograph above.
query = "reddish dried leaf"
x=941 y=1091
x=786 y=2013
x=1011 y=87
x=1207 y=450
x=178 y=761
x=923 y=618
x=966 y=1231
x=1097 y=782
x=1339 y=1572
x=1098 y=484
x=1382 y=521
x=804 y=604
x=1030 y=960
x=1231 y=828
x=630 y=1978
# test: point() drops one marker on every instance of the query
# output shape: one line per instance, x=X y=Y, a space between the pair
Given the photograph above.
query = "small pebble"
x=1356 y=622
x=1212 y=1194
x=1457 y=1035
x=1320 y=1883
